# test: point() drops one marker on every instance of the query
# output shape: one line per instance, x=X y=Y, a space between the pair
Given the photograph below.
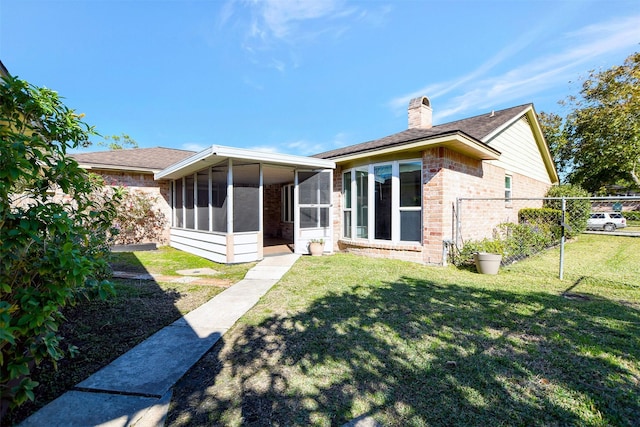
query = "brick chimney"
x=420 y=113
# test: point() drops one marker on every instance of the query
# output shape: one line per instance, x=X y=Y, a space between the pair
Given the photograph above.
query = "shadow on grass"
x=415 y=352
x=102 y=330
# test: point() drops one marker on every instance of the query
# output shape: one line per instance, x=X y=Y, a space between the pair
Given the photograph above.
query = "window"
x=287 y=203
x=382 y=196
x=411 y=201
x=362 y=203
x=507 y=188
x=346 y=209
x=395 y=208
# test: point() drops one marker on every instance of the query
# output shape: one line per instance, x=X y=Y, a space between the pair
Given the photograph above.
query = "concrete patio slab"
x=80 y=409
x=135 y=388
x=155 y=365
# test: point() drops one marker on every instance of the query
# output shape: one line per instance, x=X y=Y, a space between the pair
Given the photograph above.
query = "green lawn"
x=342 y=335
x=103 y=330
x=167 y=260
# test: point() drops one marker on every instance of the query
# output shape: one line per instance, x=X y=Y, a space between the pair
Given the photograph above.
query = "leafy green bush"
x=578 y=207
x=512 y=241
x=138 y=219
x=52 y=249
x=465 y=256
x=632 y=215
x=545 y=219
x=523 y=240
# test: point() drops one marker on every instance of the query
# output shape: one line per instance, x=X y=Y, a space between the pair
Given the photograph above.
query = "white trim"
x=217 y=153
x=458 y=142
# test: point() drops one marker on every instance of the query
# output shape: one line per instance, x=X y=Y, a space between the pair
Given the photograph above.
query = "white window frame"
x=508 y=189
x=395 y=202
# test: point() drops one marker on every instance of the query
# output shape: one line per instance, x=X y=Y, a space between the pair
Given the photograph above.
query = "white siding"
x=520 y=152
x=207 y=245
x=213 y=246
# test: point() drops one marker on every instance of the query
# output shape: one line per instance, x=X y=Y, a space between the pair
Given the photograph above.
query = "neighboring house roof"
x=150 y=160
x=471 y=131
x=3 y=70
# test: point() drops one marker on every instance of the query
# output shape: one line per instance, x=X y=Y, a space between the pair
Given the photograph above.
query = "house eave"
x=105 y=167
x=457 y=141
x=532 y=116
x=218 y=153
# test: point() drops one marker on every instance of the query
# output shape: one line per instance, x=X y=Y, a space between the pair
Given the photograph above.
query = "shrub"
x=512 y=241
x=52 y=250
x=465 y=256
x=523 y=240
x=632 y=215
x=545 y=219
x=578 y=208
x=138 y=219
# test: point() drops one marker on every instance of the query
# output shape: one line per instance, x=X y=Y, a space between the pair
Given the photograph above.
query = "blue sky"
x=302 y=77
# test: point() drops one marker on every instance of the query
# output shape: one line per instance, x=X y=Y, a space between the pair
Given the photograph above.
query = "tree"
x=53 y=230
x=603 y=130
x=115 y=142
x=553 y=129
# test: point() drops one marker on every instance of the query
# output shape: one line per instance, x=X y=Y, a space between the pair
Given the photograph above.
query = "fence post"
x=458 y=237
x=562 y=229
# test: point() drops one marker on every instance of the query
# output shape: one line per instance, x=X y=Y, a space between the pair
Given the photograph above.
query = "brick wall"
x=273 y=224
x=447 y=175
x=136 y=181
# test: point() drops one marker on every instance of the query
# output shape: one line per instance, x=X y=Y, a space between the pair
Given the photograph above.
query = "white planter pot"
x=487 y=263
x=316 y=248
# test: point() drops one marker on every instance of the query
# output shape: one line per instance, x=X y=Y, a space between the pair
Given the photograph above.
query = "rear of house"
x=392 y=197
x=395 y=197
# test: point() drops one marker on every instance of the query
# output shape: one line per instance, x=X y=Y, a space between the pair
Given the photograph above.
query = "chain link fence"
x=521 y=229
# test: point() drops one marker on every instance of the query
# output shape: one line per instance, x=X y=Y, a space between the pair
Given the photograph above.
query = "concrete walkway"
x=135 y=389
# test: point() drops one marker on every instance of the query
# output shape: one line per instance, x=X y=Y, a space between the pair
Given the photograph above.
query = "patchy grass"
x=343 y=336
x=166 y=260
x=104 y=330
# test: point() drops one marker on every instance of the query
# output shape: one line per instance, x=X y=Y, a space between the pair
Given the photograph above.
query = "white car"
x=607 y=221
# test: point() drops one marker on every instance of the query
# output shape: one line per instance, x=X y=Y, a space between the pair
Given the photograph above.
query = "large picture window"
x=346 y=205
x=362 y=203
x=410 y=201
x=395 y=206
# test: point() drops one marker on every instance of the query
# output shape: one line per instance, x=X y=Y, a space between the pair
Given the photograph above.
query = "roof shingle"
x=152 y=159
x=477 y=127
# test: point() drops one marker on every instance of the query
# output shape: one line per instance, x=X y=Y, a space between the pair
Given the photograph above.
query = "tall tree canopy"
x=602 y=132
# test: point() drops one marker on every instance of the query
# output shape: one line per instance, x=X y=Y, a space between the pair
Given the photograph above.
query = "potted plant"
x=489 y=257
x=316 y=247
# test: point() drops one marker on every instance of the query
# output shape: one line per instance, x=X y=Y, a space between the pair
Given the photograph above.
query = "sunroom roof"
x=218 y=153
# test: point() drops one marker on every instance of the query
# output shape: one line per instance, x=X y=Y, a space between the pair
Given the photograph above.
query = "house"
x=3 y=70
x=392 y=197
x=135 y=169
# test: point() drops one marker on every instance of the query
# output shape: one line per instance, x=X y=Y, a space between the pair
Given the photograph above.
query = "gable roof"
x=149 y=160
x=3 y=70
x=472 y=134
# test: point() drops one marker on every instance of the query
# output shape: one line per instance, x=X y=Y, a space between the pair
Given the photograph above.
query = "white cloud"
x=478 y=89
x=281 y=16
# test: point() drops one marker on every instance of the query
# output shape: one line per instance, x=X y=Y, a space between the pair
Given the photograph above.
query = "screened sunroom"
x=230 y=204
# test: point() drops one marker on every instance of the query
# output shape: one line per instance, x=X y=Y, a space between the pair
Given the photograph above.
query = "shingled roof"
x=138 y=159
x=477 y=127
